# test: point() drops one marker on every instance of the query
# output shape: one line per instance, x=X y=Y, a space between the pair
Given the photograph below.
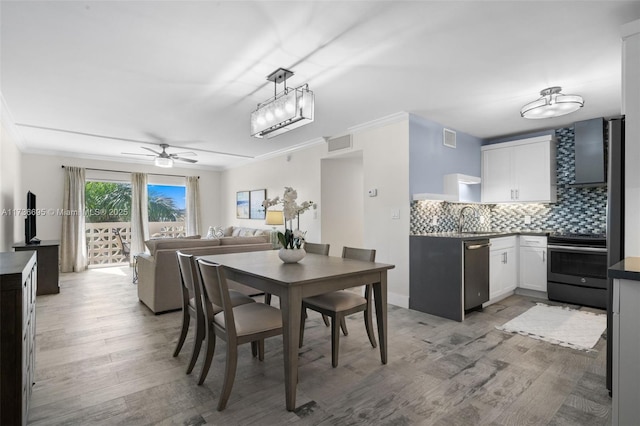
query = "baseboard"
x=532 y=293
x=398 y=300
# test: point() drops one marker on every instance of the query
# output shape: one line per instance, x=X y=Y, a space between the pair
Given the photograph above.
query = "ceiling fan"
x=164 y=159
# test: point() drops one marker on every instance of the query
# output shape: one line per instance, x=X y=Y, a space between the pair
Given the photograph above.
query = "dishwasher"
x=476 y=273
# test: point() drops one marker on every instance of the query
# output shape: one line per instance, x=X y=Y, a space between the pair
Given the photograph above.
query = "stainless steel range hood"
x=590 y=153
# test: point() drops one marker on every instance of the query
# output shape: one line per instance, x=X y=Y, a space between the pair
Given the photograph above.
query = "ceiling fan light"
x=163 y=162
x=551 y=104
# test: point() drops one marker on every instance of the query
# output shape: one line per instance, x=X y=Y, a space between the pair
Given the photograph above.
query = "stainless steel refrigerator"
x=615 y=219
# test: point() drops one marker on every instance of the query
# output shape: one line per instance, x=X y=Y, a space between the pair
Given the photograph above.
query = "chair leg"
x=254 y=348
x=303 y=317
x=267 y=298
x=343 y=326
x=261 y=350
x=229 y=374
x=186 y=318
x=197 y=345
x=325 y=319
x=368 y=324
x=335 y=340
x=211 y=346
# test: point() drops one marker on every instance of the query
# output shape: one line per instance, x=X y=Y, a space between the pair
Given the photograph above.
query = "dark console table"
x=47 y=264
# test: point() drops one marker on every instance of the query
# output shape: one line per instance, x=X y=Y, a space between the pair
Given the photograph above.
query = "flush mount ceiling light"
x=552 y=104
x=287 y=110
x=164 y=162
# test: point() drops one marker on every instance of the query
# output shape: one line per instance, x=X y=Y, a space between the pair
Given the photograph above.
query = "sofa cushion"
x=227 y=241
x=178 y=243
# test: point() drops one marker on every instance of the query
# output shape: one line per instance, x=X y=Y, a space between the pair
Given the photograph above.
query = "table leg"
x=380 y=298
x=291 y=304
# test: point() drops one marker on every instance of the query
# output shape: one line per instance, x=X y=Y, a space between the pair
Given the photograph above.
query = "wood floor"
x=104 y=358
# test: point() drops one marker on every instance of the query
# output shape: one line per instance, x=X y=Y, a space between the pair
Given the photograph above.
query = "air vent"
x=449 y=138
x=341 y=142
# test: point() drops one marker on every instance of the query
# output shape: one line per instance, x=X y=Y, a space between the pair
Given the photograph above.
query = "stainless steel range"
x=577 y=269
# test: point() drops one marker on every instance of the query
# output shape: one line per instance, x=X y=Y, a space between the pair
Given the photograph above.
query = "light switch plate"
x=434 y=221
x=527 y=220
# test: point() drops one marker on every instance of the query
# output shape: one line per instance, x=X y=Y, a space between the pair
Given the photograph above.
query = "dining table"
x=314 y=274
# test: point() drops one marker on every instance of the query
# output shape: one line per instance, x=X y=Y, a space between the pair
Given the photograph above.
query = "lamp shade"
x=164 y=162
x=274 y=217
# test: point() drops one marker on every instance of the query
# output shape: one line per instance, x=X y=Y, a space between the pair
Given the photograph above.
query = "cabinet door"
x=496 y=273
x=532 y=174
x=496 y=175
x=510 y=270
x=533 y=268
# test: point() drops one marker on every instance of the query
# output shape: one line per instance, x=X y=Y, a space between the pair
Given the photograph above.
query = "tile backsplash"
x=578 y=210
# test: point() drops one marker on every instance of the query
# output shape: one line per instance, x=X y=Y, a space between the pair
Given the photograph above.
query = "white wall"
x=631 y=109
x=342 y=201
x=299 y=170
x=43 y=175
x=11 y=194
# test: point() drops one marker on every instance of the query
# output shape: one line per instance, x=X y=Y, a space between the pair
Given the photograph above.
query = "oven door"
x=582 y=266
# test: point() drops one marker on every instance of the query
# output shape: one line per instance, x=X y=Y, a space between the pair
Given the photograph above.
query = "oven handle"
x=572 y=248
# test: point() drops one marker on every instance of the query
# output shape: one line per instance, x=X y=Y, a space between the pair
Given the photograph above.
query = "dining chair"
x=339 y=304
x=322 y=249
x=252 y=322
x=192 y=306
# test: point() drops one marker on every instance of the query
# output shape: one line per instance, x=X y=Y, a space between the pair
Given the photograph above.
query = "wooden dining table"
x=313 y=275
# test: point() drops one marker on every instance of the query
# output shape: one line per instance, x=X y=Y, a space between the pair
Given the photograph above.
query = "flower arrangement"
x=290 y=239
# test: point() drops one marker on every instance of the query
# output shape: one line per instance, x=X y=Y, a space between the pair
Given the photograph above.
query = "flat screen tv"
x=30 y=221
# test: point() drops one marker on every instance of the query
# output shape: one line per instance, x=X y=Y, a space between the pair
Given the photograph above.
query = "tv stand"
x=48 y=269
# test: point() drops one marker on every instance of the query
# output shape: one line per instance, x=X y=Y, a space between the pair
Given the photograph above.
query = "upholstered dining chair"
x=339 y=304
x=251 y=322
x=192 y=306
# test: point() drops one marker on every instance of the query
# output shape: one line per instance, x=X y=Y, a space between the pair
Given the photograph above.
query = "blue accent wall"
x=430 y=160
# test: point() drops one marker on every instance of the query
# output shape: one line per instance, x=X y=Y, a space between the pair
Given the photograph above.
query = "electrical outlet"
x=434 y=221
x=481 y=219
x=527 y=220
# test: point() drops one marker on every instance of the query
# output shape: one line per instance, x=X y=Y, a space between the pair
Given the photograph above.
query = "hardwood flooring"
x=104 y=358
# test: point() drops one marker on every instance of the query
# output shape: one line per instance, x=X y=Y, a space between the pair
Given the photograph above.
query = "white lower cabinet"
x=503 y=267
x=533 y=263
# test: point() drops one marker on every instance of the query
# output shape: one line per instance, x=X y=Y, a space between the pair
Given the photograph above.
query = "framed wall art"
x=242 y=204
x=256 y=197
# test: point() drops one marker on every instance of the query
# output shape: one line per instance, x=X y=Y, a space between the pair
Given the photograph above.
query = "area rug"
x=559 y=325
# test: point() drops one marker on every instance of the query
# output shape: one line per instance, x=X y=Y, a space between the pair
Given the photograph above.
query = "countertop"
x=482 y=234
x=627 y=269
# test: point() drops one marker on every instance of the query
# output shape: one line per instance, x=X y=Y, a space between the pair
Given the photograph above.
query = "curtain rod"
x=122 y=171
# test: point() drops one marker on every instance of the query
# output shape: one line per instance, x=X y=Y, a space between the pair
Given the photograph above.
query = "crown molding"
x=278 y=153
x=379 y=122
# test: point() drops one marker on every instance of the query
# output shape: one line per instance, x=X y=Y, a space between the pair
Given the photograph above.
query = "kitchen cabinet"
x=503 y=267
x=533 y=263
x=519 y=171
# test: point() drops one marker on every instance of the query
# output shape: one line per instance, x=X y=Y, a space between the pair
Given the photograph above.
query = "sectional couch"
x=158 y=273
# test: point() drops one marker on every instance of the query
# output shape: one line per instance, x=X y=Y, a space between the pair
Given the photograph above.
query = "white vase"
x=291 y=255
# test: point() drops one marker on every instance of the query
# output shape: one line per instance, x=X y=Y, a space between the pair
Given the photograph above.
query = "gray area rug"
x=559 y=325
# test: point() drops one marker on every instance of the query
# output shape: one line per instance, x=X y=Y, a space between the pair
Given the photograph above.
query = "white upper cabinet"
x=520 y=171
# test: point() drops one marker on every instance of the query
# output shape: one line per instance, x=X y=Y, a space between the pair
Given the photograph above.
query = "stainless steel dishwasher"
x=476 y=273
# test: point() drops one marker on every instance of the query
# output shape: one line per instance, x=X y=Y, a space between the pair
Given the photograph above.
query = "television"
x=30 y=221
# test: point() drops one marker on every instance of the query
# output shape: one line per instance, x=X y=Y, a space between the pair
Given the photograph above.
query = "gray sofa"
x=158 y=273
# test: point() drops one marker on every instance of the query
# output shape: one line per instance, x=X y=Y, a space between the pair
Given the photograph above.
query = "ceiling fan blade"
x=149 y=149
x=188 y=160
x=184 y=153
x=135 y=153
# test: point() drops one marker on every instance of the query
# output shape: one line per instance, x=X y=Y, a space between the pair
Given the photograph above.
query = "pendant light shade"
x=551 y=104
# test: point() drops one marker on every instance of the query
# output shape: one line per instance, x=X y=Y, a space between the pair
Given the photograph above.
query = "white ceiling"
x=191 y=72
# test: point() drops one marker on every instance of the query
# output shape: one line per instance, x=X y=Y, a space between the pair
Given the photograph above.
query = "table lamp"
x=273 y=218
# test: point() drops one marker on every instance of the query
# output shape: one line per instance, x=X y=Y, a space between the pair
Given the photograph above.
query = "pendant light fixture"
x=287 y=110
x=551 y=104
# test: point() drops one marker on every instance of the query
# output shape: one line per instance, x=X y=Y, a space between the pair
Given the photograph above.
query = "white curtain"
x=193 y=206
x=139 y=213
x=73 y=246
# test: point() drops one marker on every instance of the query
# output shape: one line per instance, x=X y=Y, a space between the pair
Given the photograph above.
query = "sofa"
x=158 y=273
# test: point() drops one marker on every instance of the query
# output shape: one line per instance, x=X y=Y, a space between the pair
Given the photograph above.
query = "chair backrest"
x=215 y=291
x=186 y=265
x=368 y=255
x=316 y=248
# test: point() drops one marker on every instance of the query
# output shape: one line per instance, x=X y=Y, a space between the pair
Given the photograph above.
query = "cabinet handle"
x=517 y=194
x=512 y=194
x=544 y=254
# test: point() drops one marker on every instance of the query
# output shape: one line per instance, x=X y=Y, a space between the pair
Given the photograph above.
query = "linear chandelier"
x=287 y=110
x=551 y=104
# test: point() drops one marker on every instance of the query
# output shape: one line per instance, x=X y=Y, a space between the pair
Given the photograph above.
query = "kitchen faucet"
x=461 y=219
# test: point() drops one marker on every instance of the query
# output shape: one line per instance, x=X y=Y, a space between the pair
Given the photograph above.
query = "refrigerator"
x=615 y=221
